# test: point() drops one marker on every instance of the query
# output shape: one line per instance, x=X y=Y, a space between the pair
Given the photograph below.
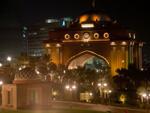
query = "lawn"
x=51 y=111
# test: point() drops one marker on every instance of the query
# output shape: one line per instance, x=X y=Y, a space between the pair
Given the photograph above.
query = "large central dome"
x=93 y=16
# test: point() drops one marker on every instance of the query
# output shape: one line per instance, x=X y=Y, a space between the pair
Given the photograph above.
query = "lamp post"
x=102 y=88
x=145 y=98
x=104 y=91
x=71 y=88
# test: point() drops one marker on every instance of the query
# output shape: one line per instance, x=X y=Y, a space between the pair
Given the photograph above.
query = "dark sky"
x=16 y=13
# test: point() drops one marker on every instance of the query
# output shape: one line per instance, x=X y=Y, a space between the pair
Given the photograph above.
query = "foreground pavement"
x=97 y=107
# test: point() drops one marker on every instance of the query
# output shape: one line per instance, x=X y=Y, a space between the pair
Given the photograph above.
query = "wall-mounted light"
x=106 y=35
x=86 y=37
x=96 y=35
x=123 y=43
x=122 y=61
x=88 y=25
x=67 y=36
x=76 y=36
x=47 y=45
x=58 y=45
x=113 y=43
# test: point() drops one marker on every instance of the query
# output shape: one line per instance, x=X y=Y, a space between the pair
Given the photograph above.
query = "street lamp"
x=105 y=91
x=102 y=88
x=1 y=82
x=145 y=96
x=71 y=88
x=9 y=58
x=1 y=64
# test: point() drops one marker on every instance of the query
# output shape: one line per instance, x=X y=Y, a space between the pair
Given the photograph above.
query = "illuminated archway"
x=87 y=58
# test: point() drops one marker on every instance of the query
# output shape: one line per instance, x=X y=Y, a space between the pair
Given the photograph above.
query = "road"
x=97 y=107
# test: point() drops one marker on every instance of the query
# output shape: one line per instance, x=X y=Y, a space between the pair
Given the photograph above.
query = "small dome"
x=26 y=74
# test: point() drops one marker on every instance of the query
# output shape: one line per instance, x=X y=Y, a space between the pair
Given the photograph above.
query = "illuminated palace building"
x=94 y=40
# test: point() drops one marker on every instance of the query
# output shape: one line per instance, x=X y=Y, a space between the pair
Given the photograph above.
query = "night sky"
x=14 y=14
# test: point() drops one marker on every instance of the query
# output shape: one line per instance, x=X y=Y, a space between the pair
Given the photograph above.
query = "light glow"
x=105 y=84
x=67 y=87
x=96 y=35
x=76 y=36
x=67 y=36
x=74 y=87
x=1 y=64
x=87 y=25
x=123 y=43
x=1 y=82
x=91 y=94
x=58 y=45
x=106 y=35
x=113 y=43
x=83 y=18
x=47 y=45
x=99 y=84
x=109 y=91
x=144 y=95
x=9 y=58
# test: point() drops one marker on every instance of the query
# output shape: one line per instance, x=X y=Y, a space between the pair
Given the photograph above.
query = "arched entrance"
x=88 y=59
x=95 y=70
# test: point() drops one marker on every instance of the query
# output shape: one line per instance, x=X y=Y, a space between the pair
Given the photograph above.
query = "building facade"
x=26 y=91
x=94 y=40
x=94 y=35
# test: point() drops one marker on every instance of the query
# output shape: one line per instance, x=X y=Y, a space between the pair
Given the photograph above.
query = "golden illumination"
x=86 y=40
x=86 y=37
x=77 y=36
x=106 y=35
x=122 y=98
x=96 y=35
x=113 y=43
x=95 y=18
x=122 y=61
x=54 y=93
x=67 y=36
x=88 y=25
x=47 y=45
x=83 y=18
x=1 y=64
x=123 y=43
x=58 y=45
